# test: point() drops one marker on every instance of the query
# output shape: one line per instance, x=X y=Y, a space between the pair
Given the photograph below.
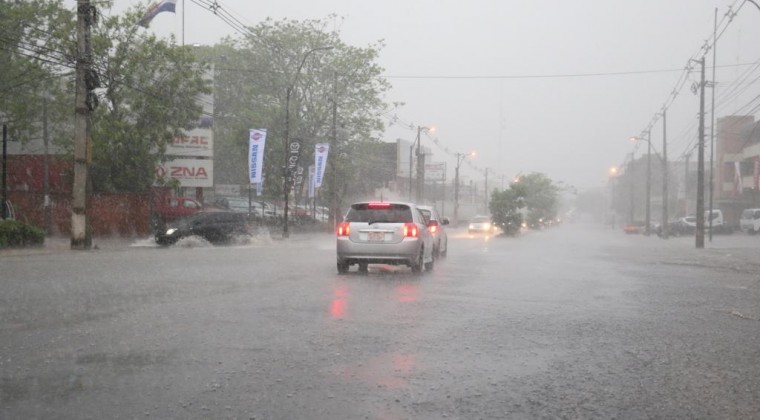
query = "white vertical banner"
x=320 y=161
x=312 y=179
x=256 y=141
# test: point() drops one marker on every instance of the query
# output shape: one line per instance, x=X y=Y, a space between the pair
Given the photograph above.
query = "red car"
x=173 y=208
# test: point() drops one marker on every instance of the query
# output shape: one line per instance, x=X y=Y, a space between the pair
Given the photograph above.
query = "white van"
x=719 y=224
x=749 y=221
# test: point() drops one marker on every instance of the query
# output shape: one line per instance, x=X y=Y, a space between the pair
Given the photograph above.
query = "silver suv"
x=384 y=233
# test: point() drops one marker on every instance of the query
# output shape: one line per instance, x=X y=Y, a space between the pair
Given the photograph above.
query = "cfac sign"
x=197 y=142
x=189 y=172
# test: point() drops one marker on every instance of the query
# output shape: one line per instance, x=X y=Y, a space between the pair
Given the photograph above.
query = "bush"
x=14 y=233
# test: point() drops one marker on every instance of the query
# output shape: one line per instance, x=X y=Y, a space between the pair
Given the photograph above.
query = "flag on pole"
x=156 y=8
x=320 y=160
x=256 y=142
x=311 y=181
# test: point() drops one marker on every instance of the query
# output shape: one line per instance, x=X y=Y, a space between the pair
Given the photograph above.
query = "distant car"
x=749 y=222
x=480 y=224
x=634 y=227
x=680 y=226
x=719 y=223
x=437 y=225
x=215 y=227
x=384 y=233
x=256 y=209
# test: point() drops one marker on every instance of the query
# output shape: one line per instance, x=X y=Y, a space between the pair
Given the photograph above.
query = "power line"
x=548 y=76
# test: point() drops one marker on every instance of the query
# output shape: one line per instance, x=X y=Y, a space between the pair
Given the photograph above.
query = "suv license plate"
x=376 y=236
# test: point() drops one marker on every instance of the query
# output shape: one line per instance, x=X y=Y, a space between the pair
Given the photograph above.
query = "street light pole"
x=665 y=197
x=700 y=236
x=286 y=171
x=410 y=171
x=420 y=167
x=486 y=191
x=613 y=171
x=648 y=214
x=460 y=157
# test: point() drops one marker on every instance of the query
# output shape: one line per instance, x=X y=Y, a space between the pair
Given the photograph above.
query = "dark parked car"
x=680 y=226
x=215 y=227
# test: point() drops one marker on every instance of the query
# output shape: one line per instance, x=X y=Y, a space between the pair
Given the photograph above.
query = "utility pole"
x=631 y=178
x=80 y=230
x=331 y=162
x=664 y=175
x=443 y=198
x=459 y=157
x=411 y=148
x=3 y=204
x=700 y=236
x=420 y=168
x=712 y=118
x=687 y=160
x=46 y=165
x=648 y=213
x=486 y=191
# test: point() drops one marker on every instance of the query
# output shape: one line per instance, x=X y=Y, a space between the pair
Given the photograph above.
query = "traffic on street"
x=576 y=321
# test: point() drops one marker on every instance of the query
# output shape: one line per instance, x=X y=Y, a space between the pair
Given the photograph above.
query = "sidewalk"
x=62 y=244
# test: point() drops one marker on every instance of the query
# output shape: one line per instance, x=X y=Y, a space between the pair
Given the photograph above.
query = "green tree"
x=148 y=93
x=36 y=65
x=324 y=76
x=541 y=197
x=533 y=198
x=148 y=87
x=505 y=210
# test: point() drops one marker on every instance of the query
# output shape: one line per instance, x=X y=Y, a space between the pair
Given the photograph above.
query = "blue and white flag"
x=256 y=141
x=156 y=8
x=320 y=161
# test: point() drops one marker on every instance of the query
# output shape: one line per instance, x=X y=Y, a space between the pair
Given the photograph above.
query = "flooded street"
x=576 y=321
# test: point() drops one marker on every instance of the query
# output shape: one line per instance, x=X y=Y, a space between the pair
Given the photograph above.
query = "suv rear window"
x=385 y=213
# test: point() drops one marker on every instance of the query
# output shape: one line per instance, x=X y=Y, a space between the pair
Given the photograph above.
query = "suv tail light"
x=344 y=229
x=433 y=225
x=410 y=230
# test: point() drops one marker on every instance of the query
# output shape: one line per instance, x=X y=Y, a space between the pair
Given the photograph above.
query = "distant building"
x=737 y=165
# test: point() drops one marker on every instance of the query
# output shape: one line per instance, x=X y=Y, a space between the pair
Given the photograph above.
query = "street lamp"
x=613 y=171
x=648 y=216
x=287 y=175
x=460 y=158
x=420 y=164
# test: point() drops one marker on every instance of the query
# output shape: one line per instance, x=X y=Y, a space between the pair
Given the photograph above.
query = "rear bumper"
x=404 y=252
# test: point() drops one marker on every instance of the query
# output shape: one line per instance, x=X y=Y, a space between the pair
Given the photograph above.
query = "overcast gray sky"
x=513 y=80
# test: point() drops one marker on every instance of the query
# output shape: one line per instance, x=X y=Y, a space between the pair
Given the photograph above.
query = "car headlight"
x=171 y=231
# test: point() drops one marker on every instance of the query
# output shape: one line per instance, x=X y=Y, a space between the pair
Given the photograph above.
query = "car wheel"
x=363 y=268
x=443 y=253
x=417 y=265
x=342 y=268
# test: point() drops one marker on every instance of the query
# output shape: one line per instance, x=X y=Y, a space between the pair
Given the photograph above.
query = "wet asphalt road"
x=572 y=322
